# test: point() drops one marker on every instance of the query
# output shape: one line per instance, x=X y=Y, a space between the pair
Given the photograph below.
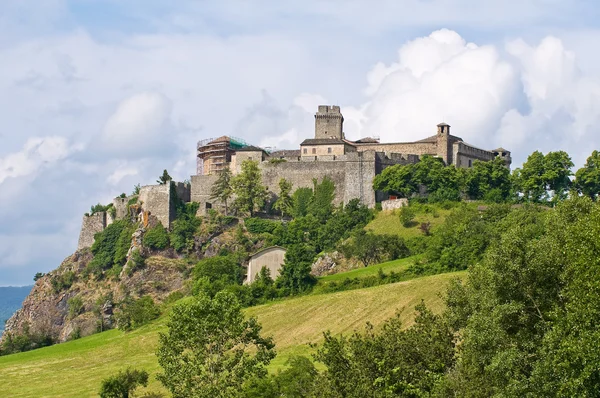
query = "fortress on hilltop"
x=351 y=165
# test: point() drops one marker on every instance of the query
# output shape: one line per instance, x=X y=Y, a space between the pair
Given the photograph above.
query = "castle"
x=351 y=165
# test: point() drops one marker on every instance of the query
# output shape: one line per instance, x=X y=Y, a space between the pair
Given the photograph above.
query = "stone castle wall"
x=158 y=200
x=90 y=226
x=417 y=148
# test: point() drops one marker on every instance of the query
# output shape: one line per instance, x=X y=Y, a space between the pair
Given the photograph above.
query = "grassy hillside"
x=76 y=368
x=388 y=222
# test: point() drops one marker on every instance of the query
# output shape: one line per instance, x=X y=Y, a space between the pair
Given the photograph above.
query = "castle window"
x=328 y=150
x=314 y=150
x=470 y=163
x=305 y=151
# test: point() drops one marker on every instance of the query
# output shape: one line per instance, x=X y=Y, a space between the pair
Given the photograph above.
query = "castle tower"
x=444 y=144
x=329 y=122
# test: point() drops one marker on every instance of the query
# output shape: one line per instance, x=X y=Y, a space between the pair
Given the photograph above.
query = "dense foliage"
x=210 y=349
x=135 y=313
x=123 y=384
x=110 y=248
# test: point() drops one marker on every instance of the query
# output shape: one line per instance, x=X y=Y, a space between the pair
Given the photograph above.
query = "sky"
x=100 y=95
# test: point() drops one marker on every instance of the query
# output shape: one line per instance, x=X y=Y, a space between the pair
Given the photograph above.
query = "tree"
x=295 y=272
x=123 y=383
x=38 y=275
x=301 y=199
x=210 y=349
x=396 y=362
x=136 y=189
x=529 y=180
x=489 y=180
x=165 y=178
x=397 y=179
x=284 y=202
x=222 y=189
x=248 y=189
x=587 y=178
x=321 y=204
x=557 y=170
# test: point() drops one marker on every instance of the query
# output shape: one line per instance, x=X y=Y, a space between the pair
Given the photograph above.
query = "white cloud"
x=140 y=126
x=37 y=153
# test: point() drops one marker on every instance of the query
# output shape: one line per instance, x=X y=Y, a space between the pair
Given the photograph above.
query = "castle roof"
x=367 y=140
x=251 y=148
x=285 y=153
x=324 y=141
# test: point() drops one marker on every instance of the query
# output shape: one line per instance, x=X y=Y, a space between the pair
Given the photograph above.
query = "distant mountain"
x=11 y=299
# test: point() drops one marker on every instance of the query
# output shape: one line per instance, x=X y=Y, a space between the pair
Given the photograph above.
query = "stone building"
x=271 y=258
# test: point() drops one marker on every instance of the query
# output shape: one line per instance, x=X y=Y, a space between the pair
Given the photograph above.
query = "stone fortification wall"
x=90 y=226
x=120 y=205
x=351 y=173
x=415 y=148
x=157 y=199
x=463 y=153
x=301 y=174
x=271 y=258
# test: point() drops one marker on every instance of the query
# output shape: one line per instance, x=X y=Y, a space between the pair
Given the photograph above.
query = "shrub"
x=135 y=313
x=184 y=227
x=75 y=305
x=110 y=247
x=259 y=225
x=38 y=275
x=63 y=281
x=407 y=215
x=136 y=262
x=156 y=238
x=211 y=275
x=123 y=383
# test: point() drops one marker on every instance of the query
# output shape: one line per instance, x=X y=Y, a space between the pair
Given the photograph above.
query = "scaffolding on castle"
x=214 y=154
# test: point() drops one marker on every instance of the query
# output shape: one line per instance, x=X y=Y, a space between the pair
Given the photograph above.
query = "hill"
x=76 y=368
x=11 y=298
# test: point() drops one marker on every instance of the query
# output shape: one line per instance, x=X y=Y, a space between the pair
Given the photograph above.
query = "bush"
x=110 y=247
x=257 y=225
x=407 y=215
x=136 y=262
x=75 y=305
x=123 y=383
x=156 y=238
x=135 y=313
x=184 y=227
x=63 y=281
x=211 y=275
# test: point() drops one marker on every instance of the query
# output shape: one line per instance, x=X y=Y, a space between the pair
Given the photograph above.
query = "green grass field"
x=76 y=368
x=387 y=267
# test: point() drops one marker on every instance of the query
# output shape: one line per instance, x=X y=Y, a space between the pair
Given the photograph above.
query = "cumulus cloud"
x=37 y=153
x=140 y=126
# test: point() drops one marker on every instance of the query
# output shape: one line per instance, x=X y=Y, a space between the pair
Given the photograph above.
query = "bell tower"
x=444 y=144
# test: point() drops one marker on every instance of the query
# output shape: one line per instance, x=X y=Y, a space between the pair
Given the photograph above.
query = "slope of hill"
x=11 y=298
x=76 y=368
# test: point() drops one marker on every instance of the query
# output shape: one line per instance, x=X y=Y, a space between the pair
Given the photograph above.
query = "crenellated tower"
x=329 y=122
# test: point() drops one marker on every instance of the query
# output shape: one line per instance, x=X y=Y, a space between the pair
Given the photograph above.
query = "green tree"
x=135 y=313
x=165 y=178
x=210 y=349
x=123 y=383
x=250 y=194
x=397 y=179
x=38 y=275
x=396 y=362
x=301 y=199
x=295 y=272
x=321 y=204
x=557 y=170
x=587 y=178
x=489 y=180
x=136 y=189
x=222 y=189
x=529 y=179
x=284 y=202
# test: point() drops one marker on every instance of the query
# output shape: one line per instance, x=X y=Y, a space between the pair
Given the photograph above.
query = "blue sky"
x=101 y=95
